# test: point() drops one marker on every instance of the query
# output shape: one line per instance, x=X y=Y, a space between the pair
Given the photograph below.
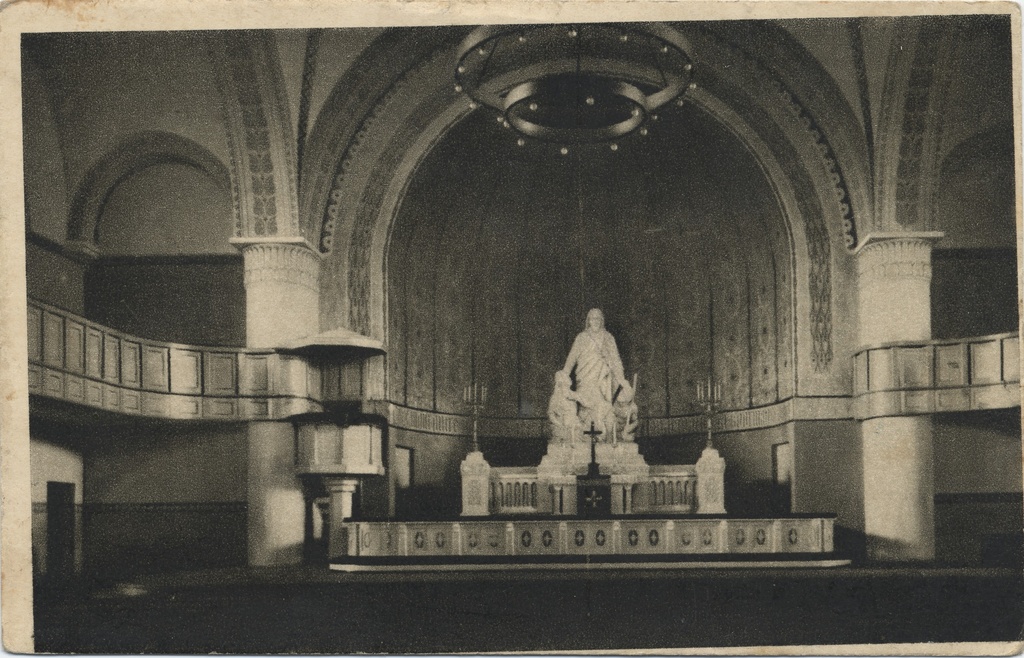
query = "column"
x=340 y=491
x=894 y=304
x=282 y=303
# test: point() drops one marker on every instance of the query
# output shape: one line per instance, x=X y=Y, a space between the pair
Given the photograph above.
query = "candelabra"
x=709 y=395
x=475 y=396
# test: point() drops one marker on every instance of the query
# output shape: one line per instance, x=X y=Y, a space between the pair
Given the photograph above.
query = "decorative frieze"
x=554 y=537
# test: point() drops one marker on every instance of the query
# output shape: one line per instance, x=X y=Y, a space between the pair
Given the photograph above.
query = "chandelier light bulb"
x=688 y=67
x=533 y=107
x=692 y=86
x=679 y=102
x=654 y=117
x=643 y=131
x=461 y=69
x=635 y=112
x=520 y=142
x=573 y=33
x=458 y=88
x=624 y=38
x=482 y=51
x=664 y=49
x=500 y=119
x=473 y=105
x=506 y=124
x=590 y=100
x=614 y=146
x=564 y=151
x=522 y=38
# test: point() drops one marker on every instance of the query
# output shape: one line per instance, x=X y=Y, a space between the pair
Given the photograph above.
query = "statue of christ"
x=596 y=369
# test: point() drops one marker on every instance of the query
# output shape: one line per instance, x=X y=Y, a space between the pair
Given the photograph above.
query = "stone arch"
x=135 y=153
x=418 y=109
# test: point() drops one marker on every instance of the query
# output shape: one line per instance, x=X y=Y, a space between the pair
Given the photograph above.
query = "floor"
x=311 y=610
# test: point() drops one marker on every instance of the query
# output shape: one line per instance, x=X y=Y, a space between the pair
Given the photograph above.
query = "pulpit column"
x=282 y=303
x=341 y=491
x=894 y=304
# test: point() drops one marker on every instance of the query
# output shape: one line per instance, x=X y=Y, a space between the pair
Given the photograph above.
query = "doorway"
x=60 y=530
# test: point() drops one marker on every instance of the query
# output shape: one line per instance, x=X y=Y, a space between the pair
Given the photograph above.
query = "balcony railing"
x=79 y=361
x=923 y=377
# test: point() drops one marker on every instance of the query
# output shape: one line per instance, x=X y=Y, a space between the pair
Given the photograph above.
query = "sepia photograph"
x=454 y=328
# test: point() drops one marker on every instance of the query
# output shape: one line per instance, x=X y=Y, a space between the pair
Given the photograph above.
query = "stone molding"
x=794 y=409
x=896 y=256
x=279 y=262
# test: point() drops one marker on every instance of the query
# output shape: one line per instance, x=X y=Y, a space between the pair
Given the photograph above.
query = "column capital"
x=278 y=261
x=896 y=255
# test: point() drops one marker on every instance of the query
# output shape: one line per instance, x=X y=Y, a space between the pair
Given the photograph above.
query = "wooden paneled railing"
x=79 y=361
x=923 y=377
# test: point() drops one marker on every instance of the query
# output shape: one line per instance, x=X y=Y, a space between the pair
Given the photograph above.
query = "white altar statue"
x=594 y=366
x=562 y=410
x=626 y=412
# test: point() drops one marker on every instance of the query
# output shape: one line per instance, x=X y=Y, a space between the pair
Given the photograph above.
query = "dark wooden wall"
x=498 y=252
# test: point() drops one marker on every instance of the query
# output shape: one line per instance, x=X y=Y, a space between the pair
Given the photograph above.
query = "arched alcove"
x=167 y=208
x=498 y=251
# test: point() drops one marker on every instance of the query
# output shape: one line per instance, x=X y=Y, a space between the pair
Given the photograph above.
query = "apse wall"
x=498 y=251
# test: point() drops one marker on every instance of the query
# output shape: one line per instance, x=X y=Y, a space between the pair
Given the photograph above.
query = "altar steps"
x=589 y=562
x=615 y=542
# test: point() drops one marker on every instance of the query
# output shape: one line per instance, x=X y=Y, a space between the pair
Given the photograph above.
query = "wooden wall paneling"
x=860 y=373
x=186 y=373
x=762 y=327
x=350 y=380
x=544 y=286
x=253 y=374
x=399 y=255
x=951 y=365
x=93 y=352
x=452 y=317
x=220 y=376
x=785 y=357
x=496 y=345
x=35 y=334
x=111 y=358
x=74 y=340
x=53 y=340
x=986 y=362
x=881 y=370
x=731 y=345
x=420 y=311
x=643 y=343
x=914 y=366
x=685 y=269
x=155 y=376
x=1011 y=359
x=130 y=364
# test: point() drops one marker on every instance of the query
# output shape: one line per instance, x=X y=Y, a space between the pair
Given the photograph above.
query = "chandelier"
x=574 y=84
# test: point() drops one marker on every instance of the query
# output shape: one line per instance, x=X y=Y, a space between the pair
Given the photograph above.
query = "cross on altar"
x=594 y=498
x=593 y=433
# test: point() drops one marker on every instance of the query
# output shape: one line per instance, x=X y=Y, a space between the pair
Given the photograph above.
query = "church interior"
x=265 y=266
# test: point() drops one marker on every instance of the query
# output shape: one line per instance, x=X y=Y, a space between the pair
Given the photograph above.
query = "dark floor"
x=311 y=610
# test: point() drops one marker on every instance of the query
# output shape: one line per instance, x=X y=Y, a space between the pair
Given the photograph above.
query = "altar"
x=593 y=500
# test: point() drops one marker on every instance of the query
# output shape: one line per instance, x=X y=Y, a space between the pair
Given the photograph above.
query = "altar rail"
x=556 y=537
x=667 y=489
x=922 y=377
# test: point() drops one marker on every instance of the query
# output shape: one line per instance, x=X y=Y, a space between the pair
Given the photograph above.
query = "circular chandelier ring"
x=522 y=94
